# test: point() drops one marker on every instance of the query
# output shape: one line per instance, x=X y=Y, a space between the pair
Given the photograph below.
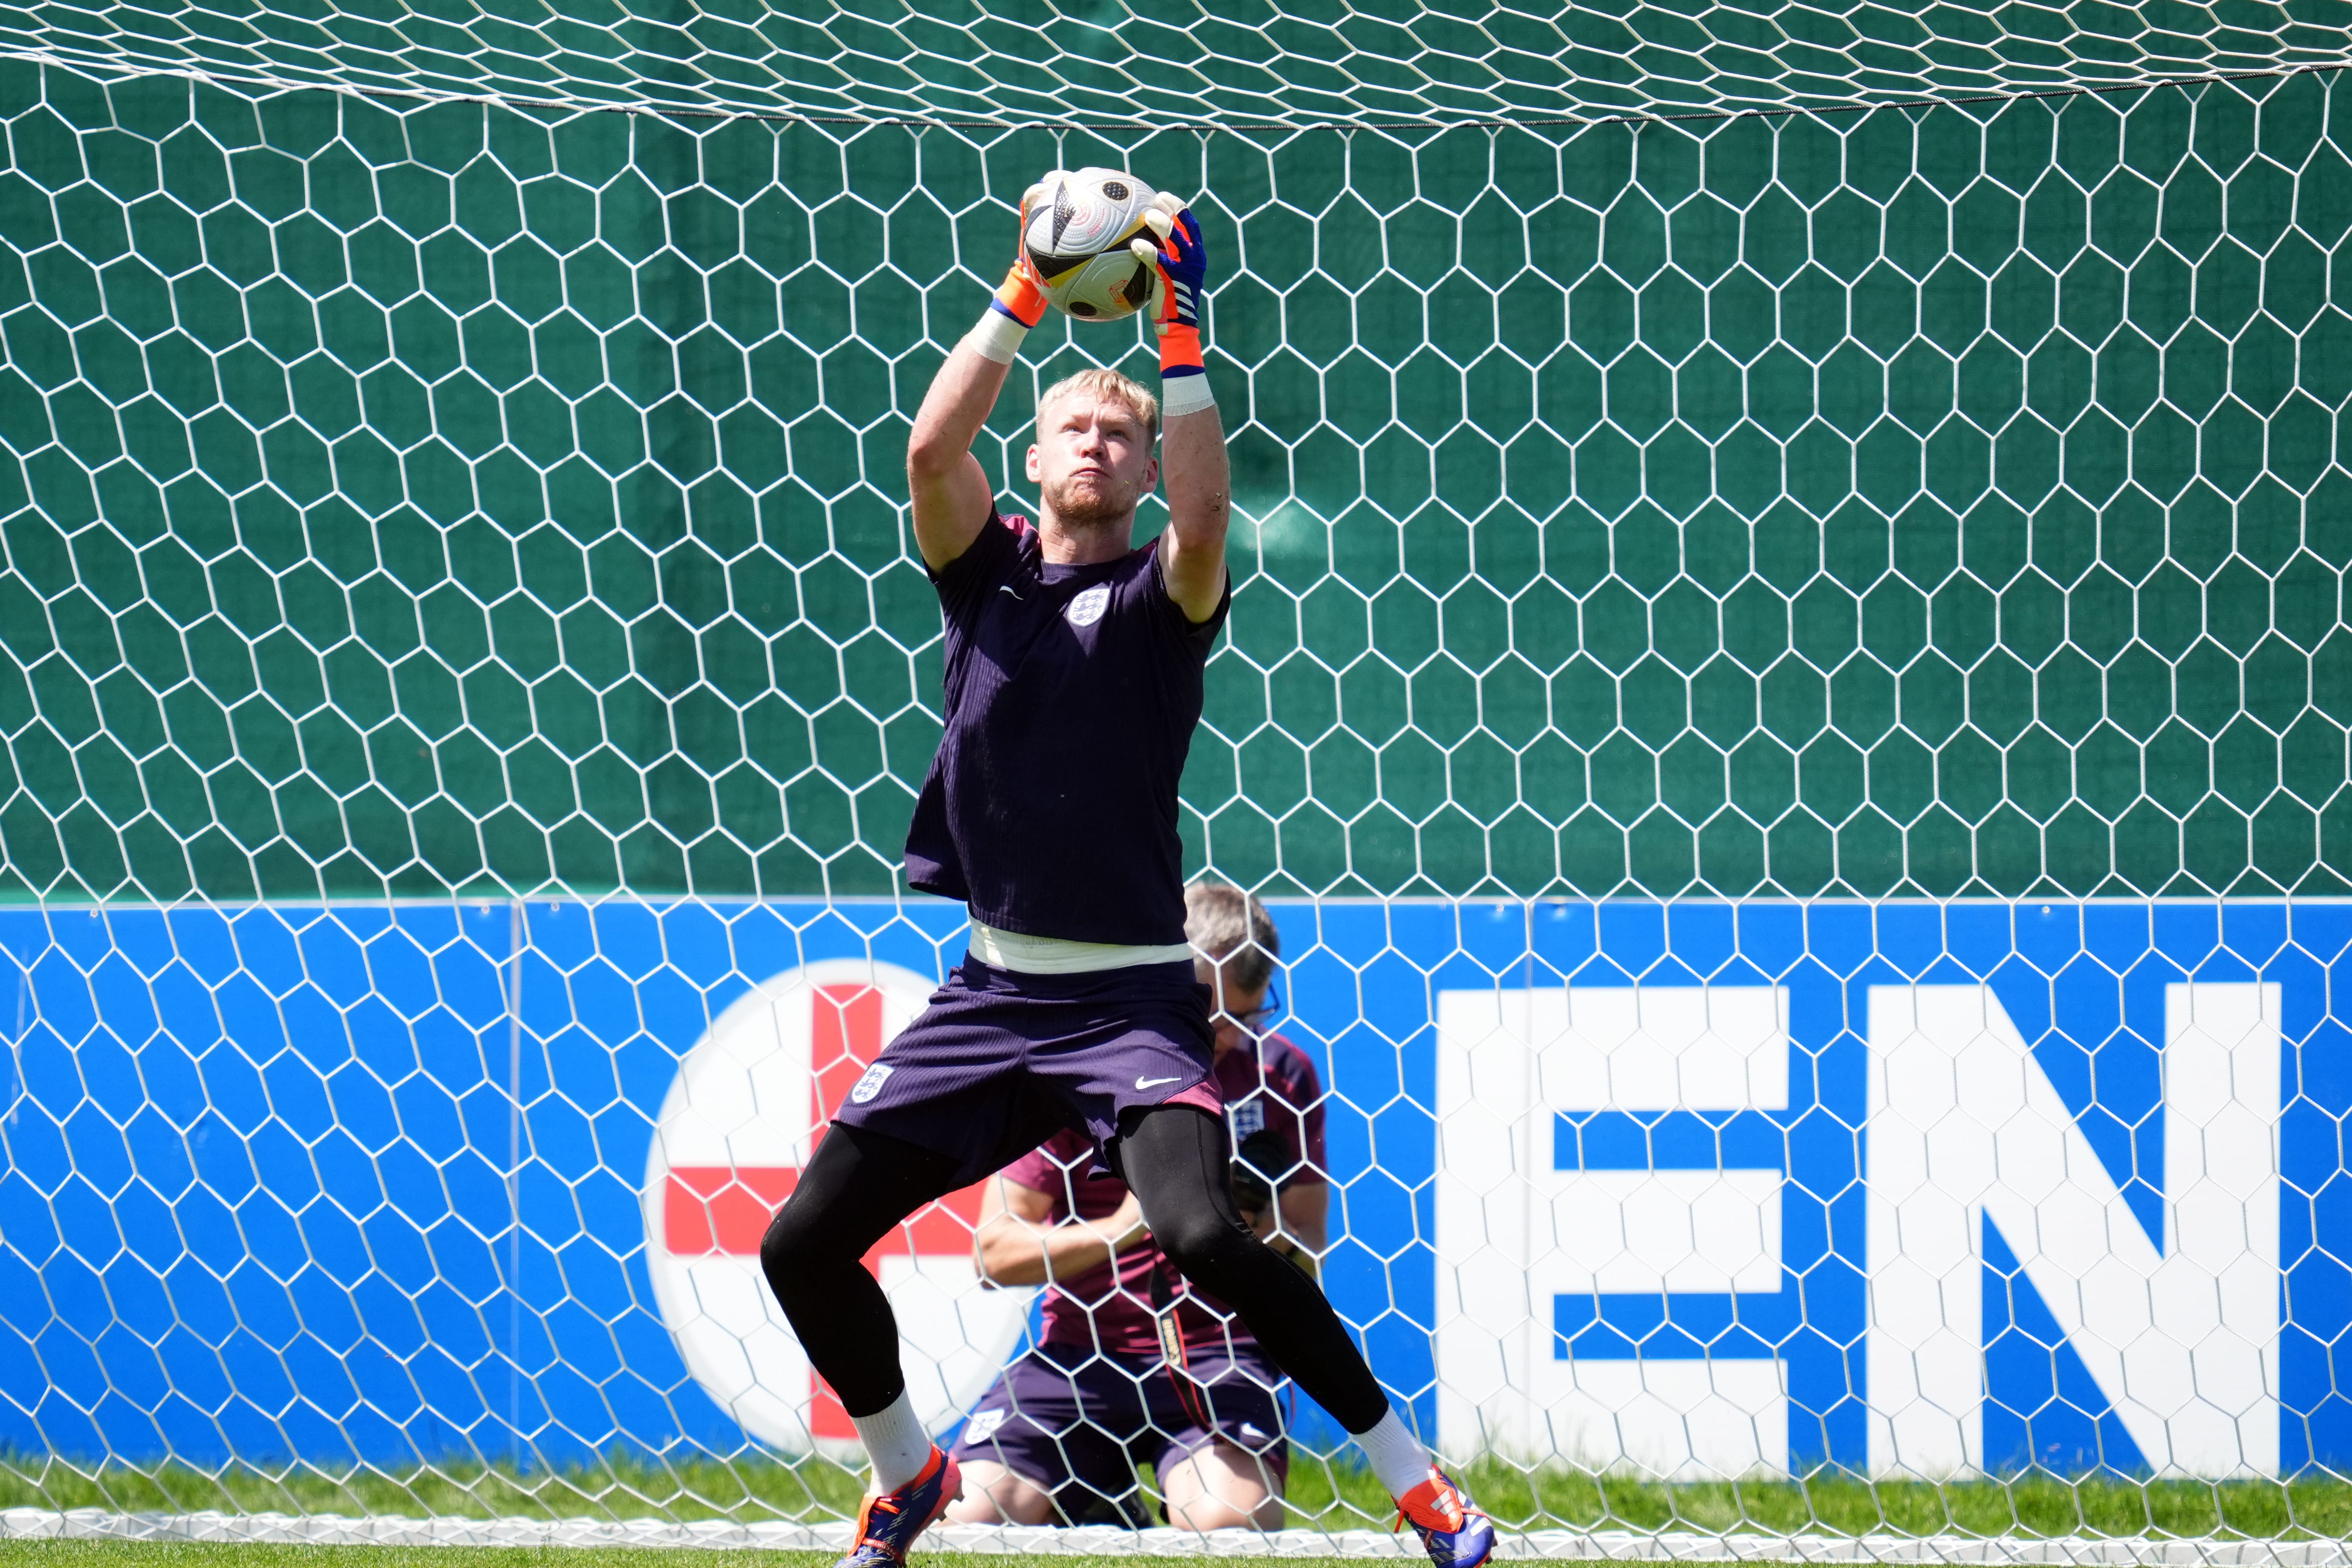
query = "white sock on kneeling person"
x=894 y=1440
x=1398 y=1457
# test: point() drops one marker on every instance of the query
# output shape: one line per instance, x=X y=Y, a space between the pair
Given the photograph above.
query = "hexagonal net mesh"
x=1786 y=684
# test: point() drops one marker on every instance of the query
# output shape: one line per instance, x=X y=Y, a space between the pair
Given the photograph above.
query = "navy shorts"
x=1001 y=1061
x=1076 y=1422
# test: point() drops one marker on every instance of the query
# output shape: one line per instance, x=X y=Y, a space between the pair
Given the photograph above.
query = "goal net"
x=1787 y=688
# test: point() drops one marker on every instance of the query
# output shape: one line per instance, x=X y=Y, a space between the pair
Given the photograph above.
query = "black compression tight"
x=1174 y=1159
x=859 y=1185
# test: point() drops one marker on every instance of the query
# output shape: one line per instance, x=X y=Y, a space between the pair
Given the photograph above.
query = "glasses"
x=1257 y=1019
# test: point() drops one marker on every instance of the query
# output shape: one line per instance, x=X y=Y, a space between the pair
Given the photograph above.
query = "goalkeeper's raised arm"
x=1199 y=487
x=950 y=491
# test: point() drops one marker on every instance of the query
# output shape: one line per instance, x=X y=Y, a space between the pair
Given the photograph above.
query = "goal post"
x=1788 y=687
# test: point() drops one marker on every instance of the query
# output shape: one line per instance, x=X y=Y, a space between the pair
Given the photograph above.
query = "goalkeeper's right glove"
x=1019 y=296
x=1020 y=302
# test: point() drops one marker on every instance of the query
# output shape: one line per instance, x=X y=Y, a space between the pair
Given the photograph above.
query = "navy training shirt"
x=1071 y=697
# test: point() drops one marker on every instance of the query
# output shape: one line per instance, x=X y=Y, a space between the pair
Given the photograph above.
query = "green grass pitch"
x=1322 y=1495
x=180 y=1554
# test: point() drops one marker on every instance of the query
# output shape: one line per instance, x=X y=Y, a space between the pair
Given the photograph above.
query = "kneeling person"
x=1132 y=1367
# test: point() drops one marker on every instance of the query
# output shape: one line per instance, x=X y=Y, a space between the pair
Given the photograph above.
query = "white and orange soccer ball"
x=1081 y=236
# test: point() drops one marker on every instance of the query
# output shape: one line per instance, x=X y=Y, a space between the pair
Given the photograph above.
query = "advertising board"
x=1689 y=1189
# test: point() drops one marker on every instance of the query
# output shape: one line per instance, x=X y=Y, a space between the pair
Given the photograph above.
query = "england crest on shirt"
x=1089 y=606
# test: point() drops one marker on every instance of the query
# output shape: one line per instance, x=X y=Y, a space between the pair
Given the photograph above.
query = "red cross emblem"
x=749 y=1104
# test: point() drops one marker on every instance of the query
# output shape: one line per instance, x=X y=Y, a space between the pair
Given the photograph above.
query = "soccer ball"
x=1079 y=231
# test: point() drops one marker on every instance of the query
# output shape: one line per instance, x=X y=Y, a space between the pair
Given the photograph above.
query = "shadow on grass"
x=1325 y=1494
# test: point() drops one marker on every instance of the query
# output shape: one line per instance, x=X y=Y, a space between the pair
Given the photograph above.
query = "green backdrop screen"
x=425 y=498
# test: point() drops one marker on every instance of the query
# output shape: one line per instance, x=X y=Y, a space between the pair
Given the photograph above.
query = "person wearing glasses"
x=1133 y=1366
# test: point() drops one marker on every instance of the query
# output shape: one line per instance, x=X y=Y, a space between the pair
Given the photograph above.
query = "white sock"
x=895 y=1442
x=1398 y=1457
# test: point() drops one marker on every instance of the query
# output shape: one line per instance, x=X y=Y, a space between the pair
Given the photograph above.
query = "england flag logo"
x=748 y=1105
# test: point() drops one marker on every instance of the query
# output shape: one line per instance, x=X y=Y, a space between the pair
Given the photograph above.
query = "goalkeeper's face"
x=1093 y=462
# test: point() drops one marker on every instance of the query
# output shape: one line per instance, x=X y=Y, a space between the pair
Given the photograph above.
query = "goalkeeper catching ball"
x=1073 y=685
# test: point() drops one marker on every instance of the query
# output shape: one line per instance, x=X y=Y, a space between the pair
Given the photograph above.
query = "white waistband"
x=1052 y=955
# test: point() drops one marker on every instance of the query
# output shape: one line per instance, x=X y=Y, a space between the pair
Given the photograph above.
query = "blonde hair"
x=1227 y=925
x=1105 y=385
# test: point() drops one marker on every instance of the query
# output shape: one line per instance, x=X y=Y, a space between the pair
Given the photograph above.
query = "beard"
x=1100 y=504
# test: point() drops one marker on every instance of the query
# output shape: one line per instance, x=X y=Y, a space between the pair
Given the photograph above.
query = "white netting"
x=460 y=642
x=1021 y=62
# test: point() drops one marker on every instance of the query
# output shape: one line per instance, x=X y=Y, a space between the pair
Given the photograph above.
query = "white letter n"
x=1964 y=1125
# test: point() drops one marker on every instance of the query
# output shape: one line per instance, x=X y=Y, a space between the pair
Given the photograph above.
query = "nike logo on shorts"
x=1155 y=1082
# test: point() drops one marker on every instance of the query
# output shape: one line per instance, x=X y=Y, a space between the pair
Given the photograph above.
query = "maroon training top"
x=1272 y=1086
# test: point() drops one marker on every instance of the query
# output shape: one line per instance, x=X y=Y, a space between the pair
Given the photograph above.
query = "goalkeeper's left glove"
x=1181 y=264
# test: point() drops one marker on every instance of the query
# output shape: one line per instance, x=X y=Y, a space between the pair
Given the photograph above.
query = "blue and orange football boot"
x=1452 y=1530
x=887 y=1524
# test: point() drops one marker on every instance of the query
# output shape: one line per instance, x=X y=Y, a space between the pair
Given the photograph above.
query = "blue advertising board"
x=399 y=1183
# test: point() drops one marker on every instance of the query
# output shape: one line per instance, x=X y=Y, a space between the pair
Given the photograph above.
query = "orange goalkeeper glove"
x=1020 y=303
x=1019 y=295
x=1181 y=263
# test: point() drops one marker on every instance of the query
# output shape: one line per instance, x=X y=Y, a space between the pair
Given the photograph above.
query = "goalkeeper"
x=1073 y=664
